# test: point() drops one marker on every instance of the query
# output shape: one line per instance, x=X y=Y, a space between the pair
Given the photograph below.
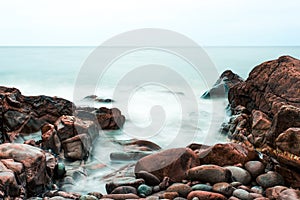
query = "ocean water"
x=158 y=91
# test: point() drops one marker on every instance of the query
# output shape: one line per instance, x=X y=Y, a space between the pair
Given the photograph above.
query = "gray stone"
x=242 y=194
x=240 y=174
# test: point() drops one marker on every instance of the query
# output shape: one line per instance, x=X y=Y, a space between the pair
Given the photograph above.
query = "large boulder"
x=220 y=89
x=269 y=86
x=172 y=163
x=27 y=114
x=24 y=167
x=227 y=154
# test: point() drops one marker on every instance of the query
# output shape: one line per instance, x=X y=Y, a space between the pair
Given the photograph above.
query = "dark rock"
x=203 y=187
x=149 y=178
x=172 y=163
x=209 y=173
x=120 y=196
x=27 y=114
x=242 y=194
x=125 y=181
x=291 y=176
x=144 y=190
x=255 y=168
x=124 y=190
x=239 y=174
x=270 y=179
x=204 y=195
x=182 y=189
x=227 y=154
x=223 y=188
x=220 y=89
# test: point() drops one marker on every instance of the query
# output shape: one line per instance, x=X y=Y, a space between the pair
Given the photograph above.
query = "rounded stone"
x=240 y=175
x=255 y=168
x=124 y=190
x=242 y=194
x=223 y=188
x=182 y=189
x=88 y=197
x=202 y=187
x=204 y=195
x=149 y=178
x=170 y=195
x=257 y=189
x=209 y=173
x=270 y=179
x=144 y=190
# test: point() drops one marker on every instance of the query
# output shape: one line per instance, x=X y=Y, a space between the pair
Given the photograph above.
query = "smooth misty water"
x=54 y=71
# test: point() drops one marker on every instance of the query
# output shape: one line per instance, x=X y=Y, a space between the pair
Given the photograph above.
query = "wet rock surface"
x=220 y=89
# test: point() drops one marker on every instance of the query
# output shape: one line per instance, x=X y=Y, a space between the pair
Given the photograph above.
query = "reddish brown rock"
x=26 y=114
x=172 y=163
x=269 y=86
x=289 y=194
x=287 y=116
x=261 y=124
x=120 y=196
x=289 y=141
x=50 y=140
x=203 y=195
x=35 y=172
x=227 y=154
x=291 y=176
x=209 y=174
x=108 y=119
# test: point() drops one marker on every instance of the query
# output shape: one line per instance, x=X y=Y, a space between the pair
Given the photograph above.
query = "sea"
x=158 y=91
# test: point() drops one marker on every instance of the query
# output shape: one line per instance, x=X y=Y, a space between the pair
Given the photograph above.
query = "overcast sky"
x=208 y=22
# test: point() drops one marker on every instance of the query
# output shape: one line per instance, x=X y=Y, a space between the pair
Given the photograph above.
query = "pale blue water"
x=54 y=71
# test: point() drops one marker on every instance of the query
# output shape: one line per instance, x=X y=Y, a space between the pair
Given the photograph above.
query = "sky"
x=91 y=22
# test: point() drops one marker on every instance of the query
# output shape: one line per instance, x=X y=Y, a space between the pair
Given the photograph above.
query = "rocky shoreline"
x=261 y=161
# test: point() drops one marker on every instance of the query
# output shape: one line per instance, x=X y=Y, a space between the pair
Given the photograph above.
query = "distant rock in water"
x=220 y=89
x=97 y=99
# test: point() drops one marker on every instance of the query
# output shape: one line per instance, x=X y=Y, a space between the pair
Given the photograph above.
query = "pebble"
x=242 y=194
x=205 y=195
x=240 y=175
x=144 y=190
x=124 y=190
x=255 y=168
x=182 y=189
x=257 y=189
x=125 y=181
x=209 y=173
x=223 y=188
x=149 y=178
x=170 y=195
x=270 y=179
x=202 y=187
x=88 y=197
